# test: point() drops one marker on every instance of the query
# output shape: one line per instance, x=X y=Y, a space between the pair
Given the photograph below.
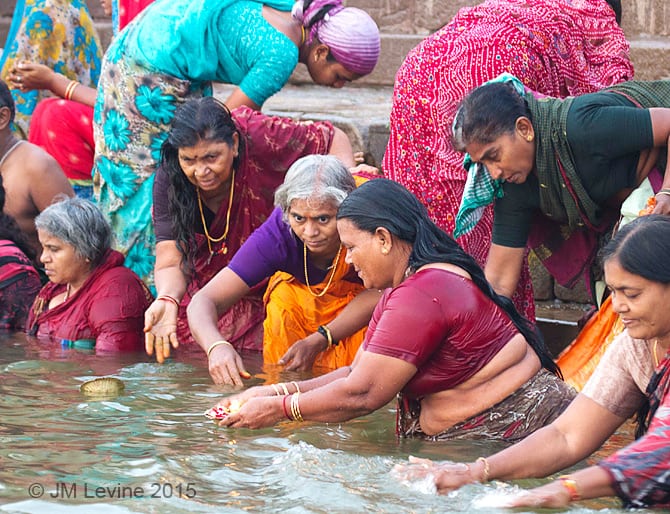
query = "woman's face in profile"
x=61 y=262
x=364 y=252
x=640 y=303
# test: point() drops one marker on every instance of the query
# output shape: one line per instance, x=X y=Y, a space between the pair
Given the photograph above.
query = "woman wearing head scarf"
x=173 y=51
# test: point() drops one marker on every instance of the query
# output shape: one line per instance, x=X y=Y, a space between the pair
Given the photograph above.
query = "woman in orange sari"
x=316 y=309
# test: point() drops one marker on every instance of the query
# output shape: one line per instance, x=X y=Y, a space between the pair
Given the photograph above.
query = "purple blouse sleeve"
x=267 y=250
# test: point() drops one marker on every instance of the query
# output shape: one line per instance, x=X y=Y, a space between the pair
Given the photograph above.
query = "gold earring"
x=530 y=138
x=385 y=251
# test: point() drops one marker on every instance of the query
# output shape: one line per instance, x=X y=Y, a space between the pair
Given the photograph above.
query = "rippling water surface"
x=151 y=450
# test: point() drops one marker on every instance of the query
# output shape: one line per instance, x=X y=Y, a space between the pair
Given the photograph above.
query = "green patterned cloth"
x=563 y=197
x=480 y=188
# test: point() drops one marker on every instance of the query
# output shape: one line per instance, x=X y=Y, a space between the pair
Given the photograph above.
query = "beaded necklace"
x=210 y=239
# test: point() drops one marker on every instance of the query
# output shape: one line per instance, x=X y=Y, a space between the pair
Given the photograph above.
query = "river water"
x=151 y=450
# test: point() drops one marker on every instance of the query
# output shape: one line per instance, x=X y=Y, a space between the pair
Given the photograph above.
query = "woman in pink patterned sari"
x=556 y=47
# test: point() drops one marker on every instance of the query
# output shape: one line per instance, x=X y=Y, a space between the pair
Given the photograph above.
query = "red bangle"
x=570 y=486
x=168 y=298
x=283 y=404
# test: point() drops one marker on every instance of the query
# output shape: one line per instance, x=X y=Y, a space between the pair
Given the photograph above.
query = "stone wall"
x=405 y=22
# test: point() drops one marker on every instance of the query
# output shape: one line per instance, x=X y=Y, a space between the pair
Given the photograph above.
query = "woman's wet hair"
x=10 y=230
x=199 y=119
x=322 y=178
x=387 y=204
x=641 y=247
x=488 y=112
x=79 y=223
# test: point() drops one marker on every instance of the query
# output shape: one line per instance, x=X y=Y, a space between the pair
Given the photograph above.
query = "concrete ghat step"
x=362 y=112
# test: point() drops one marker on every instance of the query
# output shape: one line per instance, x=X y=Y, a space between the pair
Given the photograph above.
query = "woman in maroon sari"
x=92 y=300
x=214 y=187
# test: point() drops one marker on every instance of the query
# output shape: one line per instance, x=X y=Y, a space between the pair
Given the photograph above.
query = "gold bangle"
x=663 y=192
x=295 y=407
x=570 y=485
x=487 y=468
x=283 y=387
x=69 y=90
x=275 y=389
x=297 y=387
x=217 y=343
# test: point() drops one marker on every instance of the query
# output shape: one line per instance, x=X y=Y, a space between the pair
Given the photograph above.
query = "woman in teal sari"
x=173 y=51
x=57 y=33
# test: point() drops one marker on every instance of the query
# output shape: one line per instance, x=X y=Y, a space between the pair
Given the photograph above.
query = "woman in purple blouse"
x=316 y=307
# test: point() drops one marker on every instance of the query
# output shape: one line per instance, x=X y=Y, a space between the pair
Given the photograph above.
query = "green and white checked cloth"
x=480 y=188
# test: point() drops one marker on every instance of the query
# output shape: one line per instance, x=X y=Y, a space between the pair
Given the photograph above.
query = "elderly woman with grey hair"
x=316 y=307
x=92 y=300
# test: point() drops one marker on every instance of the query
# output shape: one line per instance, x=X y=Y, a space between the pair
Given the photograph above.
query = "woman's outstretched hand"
x=160 y=329
x=226 y=366
x=448 y=476
x=550 y=496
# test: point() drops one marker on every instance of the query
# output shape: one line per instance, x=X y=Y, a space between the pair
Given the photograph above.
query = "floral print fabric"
x=128 y=138
x=57 y=33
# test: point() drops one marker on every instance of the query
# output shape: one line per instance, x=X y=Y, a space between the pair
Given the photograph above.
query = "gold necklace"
x=303 y=36
x=654 y=352
x=210 y=239
x=67 y=292
x=332 y=273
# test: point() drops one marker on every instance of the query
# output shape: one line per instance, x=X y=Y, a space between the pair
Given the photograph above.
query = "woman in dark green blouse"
x=564 y=159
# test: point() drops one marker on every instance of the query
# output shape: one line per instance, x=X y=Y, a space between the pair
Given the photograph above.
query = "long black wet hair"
x=641 y=248
x=10 y=230
x=384 y=203
x=198 y=119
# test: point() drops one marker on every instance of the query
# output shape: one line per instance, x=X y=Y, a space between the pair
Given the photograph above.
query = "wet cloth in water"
x=535 y=404
x=108 y=308
x=57 y=33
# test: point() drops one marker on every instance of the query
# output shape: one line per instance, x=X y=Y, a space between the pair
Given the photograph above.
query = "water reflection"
x=151 y=450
